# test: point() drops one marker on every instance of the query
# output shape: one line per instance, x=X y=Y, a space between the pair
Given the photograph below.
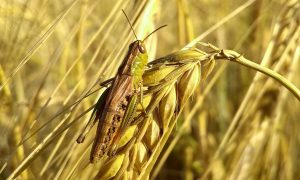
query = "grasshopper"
x=116 y=107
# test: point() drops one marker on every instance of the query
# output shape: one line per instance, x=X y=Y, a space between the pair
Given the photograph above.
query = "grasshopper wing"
x=96 y=114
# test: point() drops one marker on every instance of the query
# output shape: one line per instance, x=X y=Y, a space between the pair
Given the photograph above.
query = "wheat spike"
x=170 y=81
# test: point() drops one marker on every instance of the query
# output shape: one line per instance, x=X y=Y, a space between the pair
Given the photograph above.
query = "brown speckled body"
x=116 y=103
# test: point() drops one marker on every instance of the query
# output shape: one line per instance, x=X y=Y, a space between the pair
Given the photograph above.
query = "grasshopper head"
x=140 y=46
x=137 y=46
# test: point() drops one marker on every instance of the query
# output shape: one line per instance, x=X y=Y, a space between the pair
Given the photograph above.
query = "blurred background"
x=239 y=123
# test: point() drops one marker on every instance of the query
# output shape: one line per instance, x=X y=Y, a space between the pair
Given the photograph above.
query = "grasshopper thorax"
x=139 y=60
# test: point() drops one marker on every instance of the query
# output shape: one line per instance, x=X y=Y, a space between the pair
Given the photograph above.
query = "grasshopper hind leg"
x=125 y=123
x=141 y=98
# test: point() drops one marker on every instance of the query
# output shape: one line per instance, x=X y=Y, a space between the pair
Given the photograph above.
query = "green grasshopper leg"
x=94 y=117
x=129 y=115
x=142 y=97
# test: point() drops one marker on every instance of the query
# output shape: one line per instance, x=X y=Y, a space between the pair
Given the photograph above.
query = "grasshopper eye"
x=142 y=49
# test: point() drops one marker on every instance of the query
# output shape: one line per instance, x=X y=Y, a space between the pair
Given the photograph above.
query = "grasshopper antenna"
x=130 y=24
x=154 y=31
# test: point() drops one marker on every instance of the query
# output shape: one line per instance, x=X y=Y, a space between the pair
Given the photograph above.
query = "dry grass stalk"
x=263 y=107
x=54 y=52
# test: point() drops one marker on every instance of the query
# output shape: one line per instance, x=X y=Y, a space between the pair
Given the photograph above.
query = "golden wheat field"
x=218 y=99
